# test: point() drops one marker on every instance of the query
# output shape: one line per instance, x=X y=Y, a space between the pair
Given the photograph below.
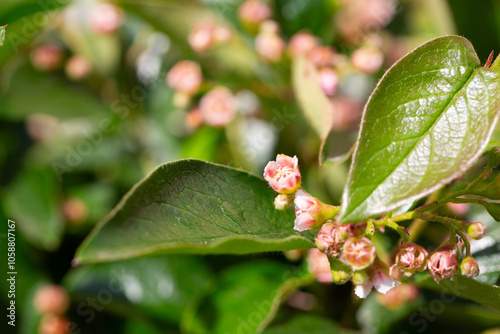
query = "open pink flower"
x=218 y=107
x=331 y=237
x=283 y=174
x=185 y=76
x=443 y=262
x=359 y=252
x=411 y=258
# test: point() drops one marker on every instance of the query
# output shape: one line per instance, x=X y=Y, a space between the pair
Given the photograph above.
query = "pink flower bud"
x=185 y=77
x=331 y=237
x=398 y=296
x=254 y=12
x=322 y=56
x=367 y=59
x=222 y=34
x=328 y=80
x=77 y=67
x=105 y=19
x=476 y=230
x=458 y=209
x=282 y=202
x=301 y=44
x=270 y=46
x=469 y=267
x=75 y=210
x=283 y=174
x=46 y=58
x=319 y=266
x=53 y=324
x=359 y=252
x=443 y=262
x=218 y=107
x=202 y=36
x=269 y=27
x=51 y=299
x=193 y=119
x=310 y=212
x=411 y=258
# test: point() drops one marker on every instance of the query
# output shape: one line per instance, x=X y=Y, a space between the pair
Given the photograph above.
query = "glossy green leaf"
x=32 y=201
x=160 y=287
x=489 y=187
x=191 y=206
x=428 y=119
x=246 y=298
x=314 y=103
x=468 y=288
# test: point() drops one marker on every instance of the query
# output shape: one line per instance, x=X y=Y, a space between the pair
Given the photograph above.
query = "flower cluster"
x=345 y=251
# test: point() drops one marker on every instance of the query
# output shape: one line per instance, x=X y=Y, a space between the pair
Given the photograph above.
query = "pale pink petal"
x=303 y=200
x=363 y=290
x=270 y=170
x=285 y=160
x=303 y=222
x=383 y=283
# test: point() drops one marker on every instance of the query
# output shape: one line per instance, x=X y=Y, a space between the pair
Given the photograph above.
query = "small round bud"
x=254 y=12
x=75 y=210
x=367 y=59
x=398 y=296
x=282 y=202
x=42 y=127
x=218 y=107
x=51 y=299
x=46 y=58
x=411 y=258
x=359 y=252
x=202 y=36
x=185 y=77
x=222 y=34
x=283 y=174
x=193 y=119
x=301 y=44
x=341 y=272
x=328 y=81
x=331 y=237
x=53 y=324
x=322 y=56
x=269 y=27
x=105 y=19
x=443 y=262
x=476 y=230
x=269 y=46
x=359 y=277
x=77 y=67
x=469 y=267
x=458 y=209
x=318 y=265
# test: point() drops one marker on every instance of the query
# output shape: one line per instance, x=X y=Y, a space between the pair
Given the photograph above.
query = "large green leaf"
x=191 y=206
x=246 y=298
x=160 y=287
x=428 y=119
x=468 y=288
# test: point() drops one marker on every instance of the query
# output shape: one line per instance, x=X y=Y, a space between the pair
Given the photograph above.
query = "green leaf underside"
x=428 y=119
x=468 y=288
x=191 y=206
